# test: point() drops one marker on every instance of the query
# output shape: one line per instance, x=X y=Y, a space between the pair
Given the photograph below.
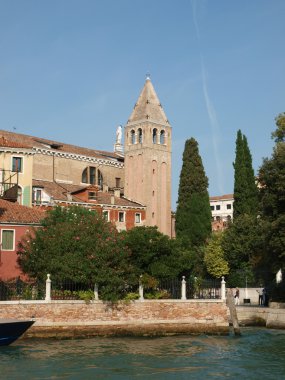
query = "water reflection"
x=257 y=354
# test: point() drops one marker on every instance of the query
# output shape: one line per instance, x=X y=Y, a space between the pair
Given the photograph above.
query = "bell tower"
x=148 y=158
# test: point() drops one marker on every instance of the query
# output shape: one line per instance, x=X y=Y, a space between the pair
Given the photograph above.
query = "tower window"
x=133 y=137
x=162 y=137
x=140 y=136
x=154 y=136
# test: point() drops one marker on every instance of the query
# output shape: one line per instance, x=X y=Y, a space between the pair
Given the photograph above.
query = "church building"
x=130 y=186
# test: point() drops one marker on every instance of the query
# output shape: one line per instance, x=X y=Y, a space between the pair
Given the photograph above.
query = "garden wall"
x=149 y=317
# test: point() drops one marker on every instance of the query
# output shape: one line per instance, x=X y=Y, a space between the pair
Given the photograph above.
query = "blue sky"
x=71 y=71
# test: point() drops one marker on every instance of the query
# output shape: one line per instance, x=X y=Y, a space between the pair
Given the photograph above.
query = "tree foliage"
x=153 y=253
x=214 y=259
x=272 y=197
x=245 y=188
x=193 y=215
x=76 y=244
x=279 y=134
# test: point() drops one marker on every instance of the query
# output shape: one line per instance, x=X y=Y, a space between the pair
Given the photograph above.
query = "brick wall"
x=151 y=317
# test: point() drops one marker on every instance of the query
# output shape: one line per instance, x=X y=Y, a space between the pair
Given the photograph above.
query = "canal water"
x=257 y=355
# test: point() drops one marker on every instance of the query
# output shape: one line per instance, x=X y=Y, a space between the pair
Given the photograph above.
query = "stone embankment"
x=271 y=317
x=149 y=317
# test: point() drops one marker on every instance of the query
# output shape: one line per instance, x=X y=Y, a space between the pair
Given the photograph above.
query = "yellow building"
x=16 y=171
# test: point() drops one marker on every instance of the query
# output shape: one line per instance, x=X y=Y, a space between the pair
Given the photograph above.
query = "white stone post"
x=141 y=290
x=96 y=295
x=223 y=289
x=183 y=288
x=48 y=288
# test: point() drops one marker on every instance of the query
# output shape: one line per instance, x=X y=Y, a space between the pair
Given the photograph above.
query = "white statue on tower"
x=118 y=147
x=119 y=135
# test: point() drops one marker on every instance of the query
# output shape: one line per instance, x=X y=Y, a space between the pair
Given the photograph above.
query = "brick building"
x=15 y=221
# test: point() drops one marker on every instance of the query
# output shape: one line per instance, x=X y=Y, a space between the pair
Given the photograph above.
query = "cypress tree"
x=193 y=215
x=245 y=189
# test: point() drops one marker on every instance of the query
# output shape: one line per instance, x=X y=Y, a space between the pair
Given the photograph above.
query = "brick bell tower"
x=148 y=158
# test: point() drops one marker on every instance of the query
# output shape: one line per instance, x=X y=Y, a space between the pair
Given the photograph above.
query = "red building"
x=122 y=212
x=15 y=221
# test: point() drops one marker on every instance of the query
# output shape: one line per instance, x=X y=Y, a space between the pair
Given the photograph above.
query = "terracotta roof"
x=70 y=193
x=37 y=142
x=148 y=106
x=14 y=213
x=11 y=144
x=59 y=191
x=222 y=197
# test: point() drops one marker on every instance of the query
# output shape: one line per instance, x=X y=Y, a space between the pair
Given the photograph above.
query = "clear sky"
x=72 y=70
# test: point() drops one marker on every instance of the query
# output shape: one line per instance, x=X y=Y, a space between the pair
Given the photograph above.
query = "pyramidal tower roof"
x=148 y=106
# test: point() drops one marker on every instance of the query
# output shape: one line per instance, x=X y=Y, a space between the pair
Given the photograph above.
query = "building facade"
x=222 y=211
x=134 y=180
x=15 y=222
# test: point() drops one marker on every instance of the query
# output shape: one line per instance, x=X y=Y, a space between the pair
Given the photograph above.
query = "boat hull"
x=11 y=330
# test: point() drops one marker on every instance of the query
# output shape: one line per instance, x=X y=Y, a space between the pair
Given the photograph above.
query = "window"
x=118 y=182
x=106 y=216
x=140 y=136
x=229 y=206
x=162 y=137
x=8 y=240
x=154 y=136
x=17 y=164
x=138 y=217
x=121 y=216
x=92 y=195
x=218 y=207
x=92 y=175
x=37 y=196
x=133 y=137
x=212 y=208
x=100 y=178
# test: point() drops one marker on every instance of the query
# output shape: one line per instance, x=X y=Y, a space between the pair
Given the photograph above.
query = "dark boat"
x=12 y=329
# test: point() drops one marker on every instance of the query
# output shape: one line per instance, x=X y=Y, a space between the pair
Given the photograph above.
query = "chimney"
x=112 y=200
x=117 y=192
x=105 y=188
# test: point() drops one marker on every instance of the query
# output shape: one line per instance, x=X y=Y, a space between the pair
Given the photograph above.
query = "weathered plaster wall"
x=153 y=317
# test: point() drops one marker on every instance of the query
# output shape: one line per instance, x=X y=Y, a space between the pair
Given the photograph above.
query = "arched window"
x=100 y=178
x=154 y=136
x=162 y=137
x=133 y=137
x=92 y=175
x=140 y=135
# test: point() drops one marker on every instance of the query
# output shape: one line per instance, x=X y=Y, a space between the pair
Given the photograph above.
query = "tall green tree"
x=77 y=245
x=245 y=188
x=272 y=196
x=193 y=215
